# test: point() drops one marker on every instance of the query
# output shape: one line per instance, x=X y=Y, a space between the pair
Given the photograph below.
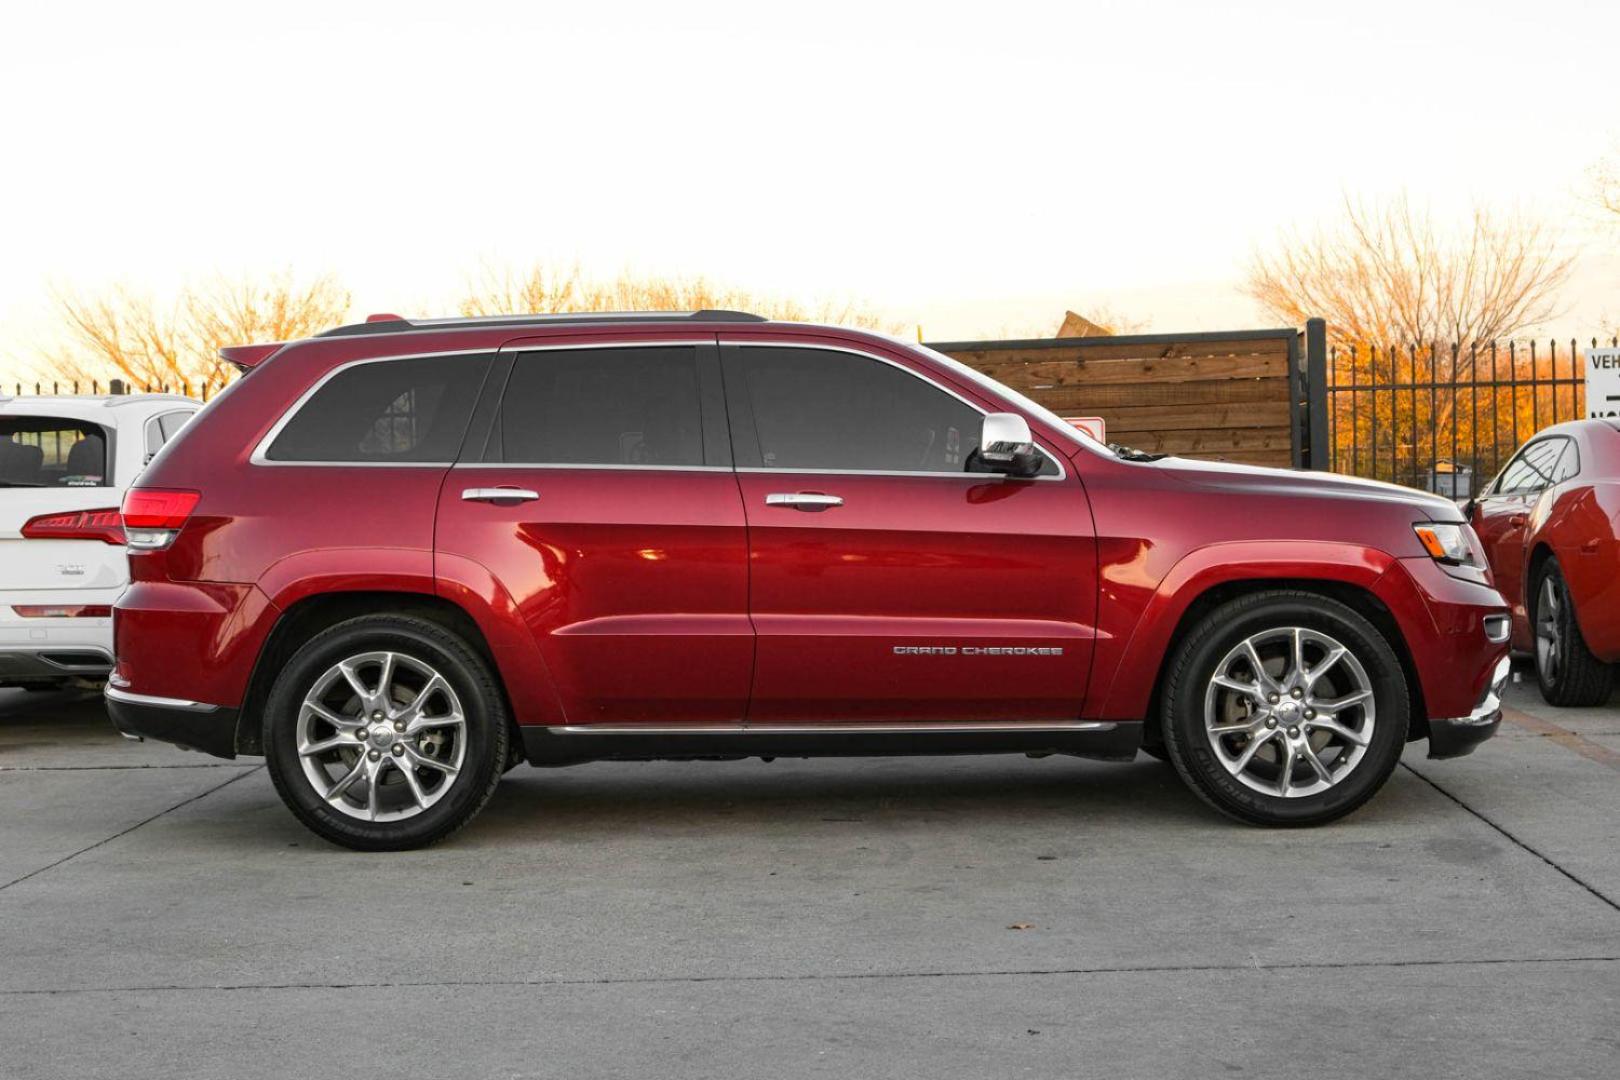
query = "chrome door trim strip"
x=742 y=339
x=112 y=693
x=836 y=729
x=497 y=465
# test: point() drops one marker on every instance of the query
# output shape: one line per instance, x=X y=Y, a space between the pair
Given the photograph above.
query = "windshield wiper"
x=1130 y=453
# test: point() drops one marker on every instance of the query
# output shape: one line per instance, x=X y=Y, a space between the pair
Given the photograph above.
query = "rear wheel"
x=1566 y=670
x=1284 y=708
x=386 y=732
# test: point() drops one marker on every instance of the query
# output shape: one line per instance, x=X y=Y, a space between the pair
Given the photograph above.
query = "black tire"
x=1566 y=670
x=1212 y=639
x=486 y=732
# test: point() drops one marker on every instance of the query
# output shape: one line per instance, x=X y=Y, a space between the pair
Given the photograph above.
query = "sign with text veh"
x=1602 y=382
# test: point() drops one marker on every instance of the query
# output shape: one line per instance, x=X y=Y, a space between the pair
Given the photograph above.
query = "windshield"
x=52 y=452
x=1007 y=393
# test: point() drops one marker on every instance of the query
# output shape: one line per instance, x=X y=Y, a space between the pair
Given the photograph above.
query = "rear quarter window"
x=385 y=411
x=53 y=452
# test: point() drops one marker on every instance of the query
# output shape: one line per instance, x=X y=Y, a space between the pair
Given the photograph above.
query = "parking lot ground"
x=162 y=915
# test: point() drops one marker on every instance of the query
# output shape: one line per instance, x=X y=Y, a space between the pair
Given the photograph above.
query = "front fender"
x=1137 y=626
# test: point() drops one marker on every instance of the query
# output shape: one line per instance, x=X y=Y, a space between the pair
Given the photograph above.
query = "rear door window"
x=51 y=451
x=382 y=412
x=623 y=407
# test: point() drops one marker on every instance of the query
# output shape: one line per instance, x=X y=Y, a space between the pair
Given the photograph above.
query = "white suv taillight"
x=100 y=525
x=154 y=516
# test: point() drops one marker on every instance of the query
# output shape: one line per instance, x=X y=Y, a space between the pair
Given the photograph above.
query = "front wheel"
x=385 y=732
x=1284 y=708
x=1566 y=670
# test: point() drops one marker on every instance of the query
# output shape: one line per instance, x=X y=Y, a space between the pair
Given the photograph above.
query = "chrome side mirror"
x=1006 y=446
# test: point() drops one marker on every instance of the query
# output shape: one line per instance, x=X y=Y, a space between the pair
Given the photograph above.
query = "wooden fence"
x=1229 y=396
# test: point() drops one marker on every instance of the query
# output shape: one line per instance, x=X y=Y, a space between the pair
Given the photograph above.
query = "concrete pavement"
x=162 y=915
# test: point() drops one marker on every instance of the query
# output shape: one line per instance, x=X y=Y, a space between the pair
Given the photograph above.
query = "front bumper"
x=191 y=725
x=1458 y=735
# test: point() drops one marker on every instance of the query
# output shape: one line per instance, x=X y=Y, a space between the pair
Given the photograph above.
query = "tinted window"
x=1569 y=465
x=171 y=423
x=819 y=409
x=1533 y=469
x=387 y=411
x=48 y=451
x=603 y=407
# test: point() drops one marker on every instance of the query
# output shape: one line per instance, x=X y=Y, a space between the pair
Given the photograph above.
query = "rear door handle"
x=802 y=500
x=499 y=494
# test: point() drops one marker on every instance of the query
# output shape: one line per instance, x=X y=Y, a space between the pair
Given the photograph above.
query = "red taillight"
x=152 y=516
x=59 y=611
x=103 y=525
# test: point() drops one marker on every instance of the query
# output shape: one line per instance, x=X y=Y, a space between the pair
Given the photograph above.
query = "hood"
x=1261 y=480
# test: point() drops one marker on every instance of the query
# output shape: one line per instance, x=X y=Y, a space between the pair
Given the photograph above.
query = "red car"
x=1548 y=523
x=403 y=556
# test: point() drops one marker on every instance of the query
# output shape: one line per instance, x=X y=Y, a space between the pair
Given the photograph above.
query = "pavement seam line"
x=247 y=771
x=1562 y=736
x=654 y=980
x=1593 y=889
x=117 y=768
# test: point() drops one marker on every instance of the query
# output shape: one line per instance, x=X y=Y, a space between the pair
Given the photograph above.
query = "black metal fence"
x=95 y=388
x=1444 y=417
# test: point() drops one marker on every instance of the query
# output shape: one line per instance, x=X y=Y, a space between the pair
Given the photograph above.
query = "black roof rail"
x=402 y=325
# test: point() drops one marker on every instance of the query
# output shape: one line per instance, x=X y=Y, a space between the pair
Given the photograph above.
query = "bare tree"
x=1606 y=183
x=120 y=334
x=542 y=289
x=1386 y=274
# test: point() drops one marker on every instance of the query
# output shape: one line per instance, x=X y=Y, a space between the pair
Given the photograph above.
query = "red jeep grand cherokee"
x=403 y=556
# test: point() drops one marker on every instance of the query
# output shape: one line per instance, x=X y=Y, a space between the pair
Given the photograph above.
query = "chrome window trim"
x=112 y=693
x=258 y=457
x=744 y=340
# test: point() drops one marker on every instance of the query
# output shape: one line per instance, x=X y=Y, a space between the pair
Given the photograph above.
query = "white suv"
x=64 y=465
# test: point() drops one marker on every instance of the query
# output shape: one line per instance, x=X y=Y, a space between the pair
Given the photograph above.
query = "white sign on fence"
x=1602 y=382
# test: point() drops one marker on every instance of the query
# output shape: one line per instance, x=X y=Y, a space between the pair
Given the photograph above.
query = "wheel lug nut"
x=1293 y=733
x=1271 y=721
x=1297 y=692
x=374 y=755
x=1272 y=698
x=362 y=734
x=1310 y=714
x=398 y=726
x=399 y=749
x=376 y=714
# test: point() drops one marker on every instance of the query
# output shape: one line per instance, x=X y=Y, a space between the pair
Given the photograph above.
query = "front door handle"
x=804 y=500
x=499 y=494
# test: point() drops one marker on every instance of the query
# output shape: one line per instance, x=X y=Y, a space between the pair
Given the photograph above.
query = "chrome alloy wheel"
x=1289 y=712
x=1549 y=645
x=381 y=736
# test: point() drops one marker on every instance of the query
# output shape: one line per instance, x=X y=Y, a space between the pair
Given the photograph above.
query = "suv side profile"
x=403 y=556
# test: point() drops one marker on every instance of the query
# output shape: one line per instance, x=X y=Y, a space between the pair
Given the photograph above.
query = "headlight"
x=1448 y=543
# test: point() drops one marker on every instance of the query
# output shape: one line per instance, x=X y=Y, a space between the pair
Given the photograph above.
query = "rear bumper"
x=36 y=650
x=46 y=662
x=1458 y=735
x=191 y=725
